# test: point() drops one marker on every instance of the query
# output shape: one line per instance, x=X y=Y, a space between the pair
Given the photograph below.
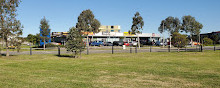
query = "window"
x=112 y=27
x=112 y=30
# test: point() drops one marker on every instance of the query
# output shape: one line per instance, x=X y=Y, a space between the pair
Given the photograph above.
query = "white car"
x=133 y=43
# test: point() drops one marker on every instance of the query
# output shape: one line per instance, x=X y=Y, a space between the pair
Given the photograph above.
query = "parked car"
x=118 y=43
x=97 y=43
x=158 y=43
x=165 y=44
x=126 y=43
x=143 y=42
x=133 y=43
x=108 y=44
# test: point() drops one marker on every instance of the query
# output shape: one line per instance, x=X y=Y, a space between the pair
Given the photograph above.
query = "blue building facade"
x=47 y=41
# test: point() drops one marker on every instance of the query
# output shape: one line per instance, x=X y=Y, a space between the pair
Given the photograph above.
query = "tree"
x=45 y=30
x=171 y=25
x=137 y=25
x=75 y=42
x=37 y=39
x=30 y=38
x=215 y=38
x=192 y=26
x=207 y=41
x=87 y=23
x=34 y=39
x=179 y=40
x=161 y=29
x=10 y=26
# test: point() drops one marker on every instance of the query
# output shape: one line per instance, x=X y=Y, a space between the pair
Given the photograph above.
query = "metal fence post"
x=150 y=48
x=201 y=48
x=130 y=50
x=185 y=49
x=136 y=49
x=112 y=49
x=58 y=50
x=214 y=47
x=30 y=50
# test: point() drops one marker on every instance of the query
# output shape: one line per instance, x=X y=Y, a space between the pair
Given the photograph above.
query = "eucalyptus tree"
x=171 y=25
x=74 y=42
x=161 y=30
x=44 y=30
x=10 y=27
x=137 y=25
x=88 y=23
x=190 y=25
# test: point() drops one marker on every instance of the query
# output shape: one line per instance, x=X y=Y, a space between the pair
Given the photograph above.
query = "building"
x=47 y=41
x=209 y=35
x=109 y=34
x=108 y=28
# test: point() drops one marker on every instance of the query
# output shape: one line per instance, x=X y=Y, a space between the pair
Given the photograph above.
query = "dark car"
x=108 y=44
x=143 y=42
x=118 y=43
x=158 y=43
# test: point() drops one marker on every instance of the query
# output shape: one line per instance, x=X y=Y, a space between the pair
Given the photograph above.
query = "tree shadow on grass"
x=5 y=55
x=67 y=56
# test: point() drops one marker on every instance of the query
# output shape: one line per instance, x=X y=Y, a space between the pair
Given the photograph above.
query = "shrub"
x=179 y=40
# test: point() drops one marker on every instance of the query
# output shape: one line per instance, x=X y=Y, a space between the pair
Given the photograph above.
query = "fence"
x=112 y=50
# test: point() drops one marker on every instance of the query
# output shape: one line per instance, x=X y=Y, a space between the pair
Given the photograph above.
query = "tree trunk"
x=7 y=51
x=191 y=42
x=92 y=38
x=170 y=41
x=87 y=44
x=139 y=45
x=44 y=45
x=163 y=41
x=75 y=55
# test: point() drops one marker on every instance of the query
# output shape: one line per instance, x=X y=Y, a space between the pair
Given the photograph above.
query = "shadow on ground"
x=5 y=55
x=68 y=56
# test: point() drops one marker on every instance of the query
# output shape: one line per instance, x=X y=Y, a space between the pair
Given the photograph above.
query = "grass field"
x=163 y=69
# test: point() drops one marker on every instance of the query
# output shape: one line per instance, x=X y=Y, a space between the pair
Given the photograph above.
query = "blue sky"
x=62 y=14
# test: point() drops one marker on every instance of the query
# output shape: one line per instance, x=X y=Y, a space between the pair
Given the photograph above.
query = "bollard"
x=136 y=49
x=112 y=49
x=150 y=48
x=30 y=50
x=58 y=50
x=130 y=50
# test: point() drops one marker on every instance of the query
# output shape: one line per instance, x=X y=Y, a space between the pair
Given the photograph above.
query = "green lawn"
x=159 y=69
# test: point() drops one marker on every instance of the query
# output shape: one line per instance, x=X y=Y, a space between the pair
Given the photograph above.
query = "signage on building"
x=153 y=34
x=127 y=34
